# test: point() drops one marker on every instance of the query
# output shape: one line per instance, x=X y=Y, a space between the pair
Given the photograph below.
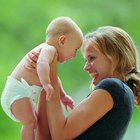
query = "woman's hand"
x=31 y=59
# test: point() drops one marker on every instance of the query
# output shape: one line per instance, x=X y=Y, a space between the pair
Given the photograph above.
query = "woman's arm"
x=81 y=118
x=43 y=132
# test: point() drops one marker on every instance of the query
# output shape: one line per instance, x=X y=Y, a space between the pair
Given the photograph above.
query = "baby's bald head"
x=62 y=26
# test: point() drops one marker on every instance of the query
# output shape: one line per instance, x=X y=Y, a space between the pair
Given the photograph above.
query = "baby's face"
x=72 y=44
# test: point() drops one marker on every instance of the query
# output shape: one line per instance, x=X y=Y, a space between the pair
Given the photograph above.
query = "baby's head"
x=65 y=35
x=116 y=45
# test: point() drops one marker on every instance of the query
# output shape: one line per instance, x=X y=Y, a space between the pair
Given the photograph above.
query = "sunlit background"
x=22 y=27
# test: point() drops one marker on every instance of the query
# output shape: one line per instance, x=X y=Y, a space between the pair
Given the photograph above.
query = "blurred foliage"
x=23 y=25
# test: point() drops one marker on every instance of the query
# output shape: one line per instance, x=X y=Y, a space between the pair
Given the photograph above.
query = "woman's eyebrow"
x=90 y=56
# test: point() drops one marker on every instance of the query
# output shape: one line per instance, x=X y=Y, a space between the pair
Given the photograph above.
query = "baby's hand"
x=67 y=101
x=49 y=91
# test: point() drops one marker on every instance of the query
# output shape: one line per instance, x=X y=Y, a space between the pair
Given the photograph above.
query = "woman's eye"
x=91 y=58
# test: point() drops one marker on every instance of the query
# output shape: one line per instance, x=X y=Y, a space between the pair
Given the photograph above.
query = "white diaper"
x=15 y=90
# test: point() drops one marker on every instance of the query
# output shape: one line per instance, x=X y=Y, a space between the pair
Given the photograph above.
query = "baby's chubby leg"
x=23 y=111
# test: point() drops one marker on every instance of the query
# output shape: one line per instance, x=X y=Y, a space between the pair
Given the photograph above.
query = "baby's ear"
x=62 y=40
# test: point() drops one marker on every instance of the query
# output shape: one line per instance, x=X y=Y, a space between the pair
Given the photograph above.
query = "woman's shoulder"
x=110 y=83
x=116 y=88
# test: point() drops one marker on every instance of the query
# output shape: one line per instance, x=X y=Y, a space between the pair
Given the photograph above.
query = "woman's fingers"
x=33 y=56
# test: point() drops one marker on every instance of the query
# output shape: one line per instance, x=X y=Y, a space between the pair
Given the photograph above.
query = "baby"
x=63 y=39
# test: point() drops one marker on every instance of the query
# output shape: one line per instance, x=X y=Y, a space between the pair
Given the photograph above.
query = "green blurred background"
x=22 y=27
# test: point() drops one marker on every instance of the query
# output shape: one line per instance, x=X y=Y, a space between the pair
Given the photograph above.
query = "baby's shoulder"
x=45 y=46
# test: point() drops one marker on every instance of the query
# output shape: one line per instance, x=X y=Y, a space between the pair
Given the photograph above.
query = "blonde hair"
x=62 y=26
x=118 y=47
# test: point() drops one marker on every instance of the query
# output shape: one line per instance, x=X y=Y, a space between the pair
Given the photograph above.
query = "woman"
x=111 y=61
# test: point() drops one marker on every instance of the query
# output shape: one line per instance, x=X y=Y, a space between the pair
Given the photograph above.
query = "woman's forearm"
x=56 y=118
x=43 y=132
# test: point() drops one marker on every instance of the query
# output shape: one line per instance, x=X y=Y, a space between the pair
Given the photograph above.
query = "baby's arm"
x=65 y=99
x=43 y=68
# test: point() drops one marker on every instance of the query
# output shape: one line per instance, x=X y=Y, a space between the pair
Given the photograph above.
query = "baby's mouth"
x=69 y=58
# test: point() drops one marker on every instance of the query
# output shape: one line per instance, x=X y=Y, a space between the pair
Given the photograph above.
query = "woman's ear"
x=62 y=40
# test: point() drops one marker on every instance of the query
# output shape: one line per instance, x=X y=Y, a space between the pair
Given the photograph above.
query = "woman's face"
x=97 y=64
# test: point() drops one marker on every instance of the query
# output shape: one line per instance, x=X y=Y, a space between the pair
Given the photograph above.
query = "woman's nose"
x=86 y=67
